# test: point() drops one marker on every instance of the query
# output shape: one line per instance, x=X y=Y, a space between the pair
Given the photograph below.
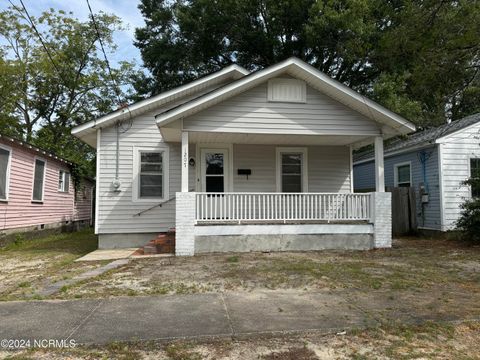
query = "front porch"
x=224 y=207
x=240 y=222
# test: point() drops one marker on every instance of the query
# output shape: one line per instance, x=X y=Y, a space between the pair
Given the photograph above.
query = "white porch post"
x=379 y=168
x=184 y=161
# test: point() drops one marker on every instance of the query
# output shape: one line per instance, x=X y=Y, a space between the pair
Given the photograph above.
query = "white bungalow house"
x=240 y=161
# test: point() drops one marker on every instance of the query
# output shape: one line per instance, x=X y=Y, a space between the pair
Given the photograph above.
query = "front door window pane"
x=214 y=172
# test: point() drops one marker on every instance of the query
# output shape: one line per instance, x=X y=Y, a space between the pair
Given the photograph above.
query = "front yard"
x=29 y=265
x=437 y=280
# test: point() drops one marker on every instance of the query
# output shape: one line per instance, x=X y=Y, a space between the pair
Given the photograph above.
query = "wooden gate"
x=404 y=218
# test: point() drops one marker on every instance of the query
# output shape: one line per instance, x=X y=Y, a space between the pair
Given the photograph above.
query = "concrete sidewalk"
x=100 y=321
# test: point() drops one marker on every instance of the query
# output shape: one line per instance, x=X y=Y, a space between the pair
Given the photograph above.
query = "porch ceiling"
x=267 y=139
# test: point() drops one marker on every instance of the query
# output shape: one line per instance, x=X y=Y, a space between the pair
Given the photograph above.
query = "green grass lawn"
x=27 y=265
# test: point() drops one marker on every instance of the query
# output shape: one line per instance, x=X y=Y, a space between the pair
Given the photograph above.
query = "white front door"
x=214 y=170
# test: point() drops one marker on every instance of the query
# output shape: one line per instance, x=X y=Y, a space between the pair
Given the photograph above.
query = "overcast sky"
x=127 y=10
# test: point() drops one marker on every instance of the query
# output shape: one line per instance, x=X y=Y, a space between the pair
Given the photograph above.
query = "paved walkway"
x=238 y=315
x=56 y=287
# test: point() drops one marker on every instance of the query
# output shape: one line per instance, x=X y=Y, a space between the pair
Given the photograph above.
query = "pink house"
x=37 y=191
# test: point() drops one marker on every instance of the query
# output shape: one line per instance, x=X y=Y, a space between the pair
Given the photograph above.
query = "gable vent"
x=287 y=90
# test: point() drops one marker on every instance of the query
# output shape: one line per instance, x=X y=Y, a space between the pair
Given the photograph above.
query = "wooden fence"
x=404 y=210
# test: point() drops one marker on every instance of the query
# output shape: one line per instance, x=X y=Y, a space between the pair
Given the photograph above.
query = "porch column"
x=184 y=161
x=379 y=168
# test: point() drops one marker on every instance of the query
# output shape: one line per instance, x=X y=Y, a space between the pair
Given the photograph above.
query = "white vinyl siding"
x=38 y=180
x=117 y=211
x=457 y=150
x=328 y=168
x=5 y=155
x=63 y=181
x=251 y=112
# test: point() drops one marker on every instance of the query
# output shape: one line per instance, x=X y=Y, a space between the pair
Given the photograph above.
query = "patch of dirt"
x=427 y=341
x=291 y=354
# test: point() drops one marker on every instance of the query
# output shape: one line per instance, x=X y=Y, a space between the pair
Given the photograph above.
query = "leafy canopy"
x=419 y=58
x=43 y=94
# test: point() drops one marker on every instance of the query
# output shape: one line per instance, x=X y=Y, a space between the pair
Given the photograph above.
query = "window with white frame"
x=151 y=178
x=4 y=172
x=63 y=181
x=475 y=173
x=38 y=180
x=291 y=170
x=403 y=175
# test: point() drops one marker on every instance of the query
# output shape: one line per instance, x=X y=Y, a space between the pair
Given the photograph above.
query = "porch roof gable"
x=310 y=75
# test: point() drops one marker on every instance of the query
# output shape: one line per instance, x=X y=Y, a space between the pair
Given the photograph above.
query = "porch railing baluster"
x=268 y=207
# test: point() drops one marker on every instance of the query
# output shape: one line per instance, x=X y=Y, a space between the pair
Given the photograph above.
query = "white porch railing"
x=280 y=207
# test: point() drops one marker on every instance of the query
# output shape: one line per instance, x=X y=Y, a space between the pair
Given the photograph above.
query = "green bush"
x=469 y=221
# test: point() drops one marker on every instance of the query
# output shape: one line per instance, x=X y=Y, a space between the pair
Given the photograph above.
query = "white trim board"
x=284 y=229
x=440 y=187
x=316 y=78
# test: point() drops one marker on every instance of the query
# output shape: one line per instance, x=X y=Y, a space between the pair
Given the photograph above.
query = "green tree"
x=469 y=221
x=51 y=91
x=420 y=58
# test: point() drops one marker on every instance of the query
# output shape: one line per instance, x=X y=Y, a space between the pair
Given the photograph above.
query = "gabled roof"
x=33 y=148
x=87 y=131
x=301 y=70
x=421 y=138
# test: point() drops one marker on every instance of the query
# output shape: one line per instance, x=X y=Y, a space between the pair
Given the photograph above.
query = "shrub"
x=469 y=221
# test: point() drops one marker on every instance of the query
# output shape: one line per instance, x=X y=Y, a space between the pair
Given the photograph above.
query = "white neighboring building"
x=435 y=162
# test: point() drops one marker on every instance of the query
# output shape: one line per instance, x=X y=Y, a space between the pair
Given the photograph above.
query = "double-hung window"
x=402 y=174
x=151 y=175
x=4 y=172
x=38 y=180
x=63 y=181
x=475 y=173
x=291 y=170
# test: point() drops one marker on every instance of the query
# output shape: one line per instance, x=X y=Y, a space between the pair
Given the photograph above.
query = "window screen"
x=403 y=175
x=38 y=180
x=63 y=181
x=475 y=173
x=292 y=172
x=4 y=157
x=151 y=175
